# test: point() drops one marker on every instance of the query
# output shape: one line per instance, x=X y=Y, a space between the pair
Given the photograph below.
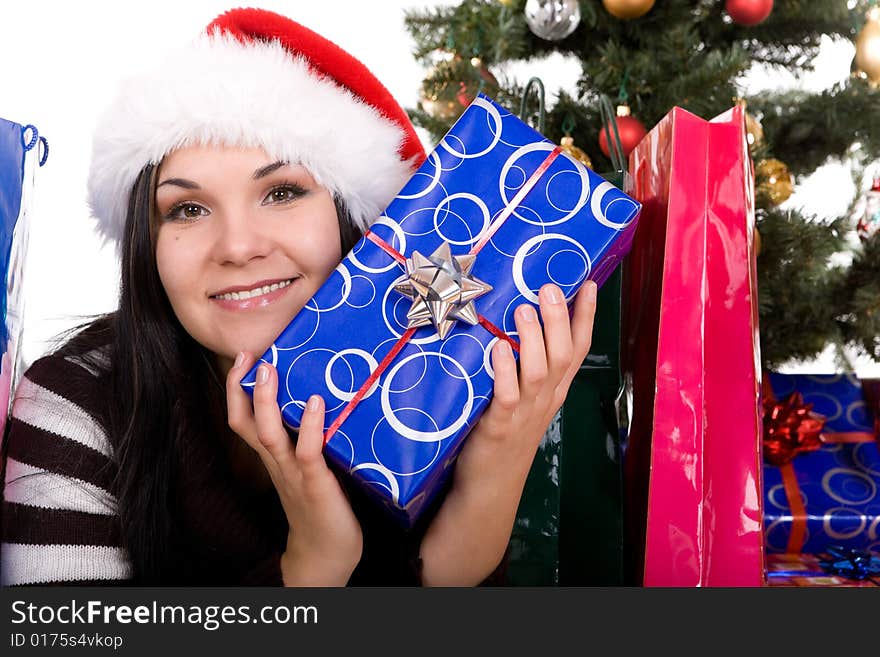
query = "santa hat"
x=256 y=78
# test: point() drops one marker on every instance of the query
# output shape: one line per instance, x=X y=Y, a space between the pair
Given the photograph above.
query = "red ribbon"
x=485 y=323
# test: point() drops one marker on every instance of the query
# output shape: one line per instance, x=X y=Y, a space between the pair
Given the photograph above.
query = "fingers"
x=310 y=444
x=557 y=332
x=239 y=406
x=582 y=325
x=270 y=427
x=546 y=355
x=505 y=396
x=532 y=354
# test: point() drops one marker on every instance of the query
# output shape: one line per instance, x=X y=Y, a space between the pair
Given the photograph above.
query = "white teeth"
x=257 y=291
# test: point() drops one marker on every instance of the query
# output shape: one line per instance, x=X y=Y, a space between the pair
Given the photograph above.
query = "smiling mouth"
x=255 y=292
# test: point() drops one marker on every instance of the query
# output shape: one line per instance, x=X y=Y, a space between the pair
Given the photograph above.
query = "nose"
x=239 y=238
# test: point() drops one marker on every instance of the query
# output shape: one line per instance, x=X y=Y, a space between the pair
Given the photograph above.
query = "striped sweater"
x=60 y=522
x=59 y=519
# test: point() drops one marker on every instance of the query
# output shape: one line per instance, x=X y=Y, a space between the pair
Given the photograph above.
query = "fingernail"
x=262 y=374
x=554 y=294
x=504 y=346
x=313 y=403
x=239 y=359
x=591 y=290
x=528 y=314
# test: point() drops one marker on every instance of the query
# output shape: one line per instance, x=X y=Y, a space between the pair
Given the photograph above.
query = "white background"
x=60 y=62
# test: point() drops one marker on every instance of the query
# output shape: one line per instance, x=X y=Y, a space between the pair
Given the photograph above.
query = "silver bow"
x=442 y=289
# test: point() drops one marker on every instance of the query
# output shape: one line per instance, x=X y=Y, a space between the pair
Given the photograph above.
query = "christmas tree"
x=819 y=283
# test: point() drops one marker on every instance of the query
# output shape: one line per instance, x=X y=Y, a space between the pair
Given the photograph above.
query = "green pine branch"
x=687 y=53
x=858 y=300
x=804 y=129
x=797 y=285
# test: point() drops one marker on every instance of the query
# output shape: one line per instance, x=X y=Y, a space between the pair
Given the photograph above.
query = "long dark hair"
x=164 y=389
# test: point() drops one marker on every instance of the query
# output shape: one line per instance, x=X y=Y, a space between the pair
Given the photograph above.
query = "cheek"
x=172 y=265
x=318 y=251
x=330 y=252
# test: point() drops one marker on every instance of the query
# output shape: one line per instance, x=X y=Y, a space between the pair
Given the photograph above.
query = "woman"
x=233 y=181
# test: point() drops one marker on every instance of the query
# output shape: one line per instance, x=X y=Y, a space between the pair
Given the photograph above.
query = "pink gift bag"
x=693 y=457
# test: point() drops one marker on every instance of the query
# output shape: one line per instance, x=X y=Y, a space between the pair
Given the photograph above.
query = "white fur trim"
x=221 y=91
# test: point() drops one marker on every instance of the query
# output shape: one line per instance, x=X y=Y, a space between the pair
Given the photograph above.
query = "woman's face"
x=242 y=243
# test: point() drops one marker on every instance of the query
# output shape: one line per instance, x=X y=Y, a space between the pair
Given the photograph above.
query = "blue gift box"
x=402 y=438
x=839 y=483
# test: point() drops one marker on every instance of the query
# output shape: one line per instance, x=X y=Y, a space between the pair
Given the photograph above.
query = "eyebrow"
x=266 y=170
x=179 y=182
x=262 y=172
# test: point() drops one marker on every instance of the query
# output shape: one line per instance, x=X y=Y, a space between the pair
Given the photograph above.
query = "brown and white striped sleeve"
x=59 y=520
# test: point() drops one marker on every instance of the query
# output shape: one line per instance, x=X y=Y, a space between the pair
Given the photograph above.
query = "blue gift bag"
x=21 y=149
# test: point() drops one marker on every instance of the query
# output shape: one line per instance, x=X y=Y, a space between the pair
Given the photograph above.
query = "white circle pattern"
x=519 y=262
x=426 y=436
x=341 y=394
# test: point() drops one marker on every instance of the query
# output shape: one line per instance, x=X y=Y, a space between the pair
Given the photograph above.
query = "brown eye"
x=283 y=194
x=280 y=195
x=186 y=212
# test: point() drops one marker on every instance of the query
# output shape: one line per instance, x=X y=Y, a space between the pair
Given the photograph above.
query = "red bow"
x=790 y=427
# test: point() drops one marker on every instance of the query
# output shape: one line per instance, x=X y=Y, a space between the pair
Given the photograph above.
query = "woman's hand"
x=470 y=533
x=524 y=403
x=324 y=542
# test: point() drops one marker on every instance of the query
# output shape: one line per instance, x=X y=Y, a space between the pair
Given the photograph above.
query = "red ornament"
x=629 y=128
x=748 y=12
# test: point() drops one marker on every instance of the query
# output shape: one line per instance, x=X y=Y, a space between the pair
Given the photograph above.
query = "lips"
x=254 y=295
x=237 y=292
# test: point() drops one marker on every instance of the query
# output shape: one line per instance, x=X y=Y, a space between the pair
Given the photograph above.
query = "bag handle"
x=537 y=84
x=606 y=114
x=35 y=138
x=615 y=148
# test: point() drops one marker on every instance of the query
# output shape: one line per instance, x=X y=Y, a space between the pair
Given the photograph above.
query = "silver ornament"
x=552 y=19
x=442 y=289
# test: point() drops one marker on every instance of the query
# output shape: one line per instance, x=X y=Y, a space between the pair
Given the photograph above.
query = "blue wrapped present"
x=830 y=496
x=399 y=400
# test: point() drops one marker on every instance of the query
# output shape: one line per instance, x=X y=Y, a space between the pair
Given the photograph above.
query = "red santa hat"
x=255 y=78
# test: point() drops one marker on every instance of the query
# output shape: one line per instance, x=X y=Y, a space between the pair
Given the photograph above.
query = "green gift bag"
x=569 y=526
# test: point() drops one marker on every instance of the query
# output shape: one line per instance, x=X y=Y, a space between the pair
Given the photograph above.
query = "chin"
x=228 y=345
x=229 y=352
x=255 y=349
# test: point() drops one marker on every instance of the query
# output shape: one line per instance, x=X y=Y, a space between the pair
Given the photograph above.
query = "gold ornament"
x=757 y=243
x=627 y=9
x=854 y=70
x=453 y=85
x=867 y=59
x=754 y=131
x=439 y=107
x=568 y=147
x=442 y=289
x=774 y=180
